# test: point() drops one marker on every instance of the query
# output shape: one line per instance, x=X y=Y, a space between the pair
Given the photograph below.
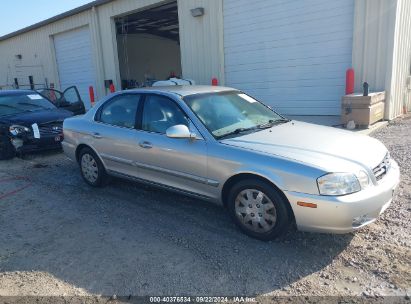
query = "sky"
x=17 y=14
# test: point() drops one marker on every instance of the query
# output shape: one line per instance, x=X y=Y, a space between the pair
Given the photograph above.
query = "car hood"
x=328 y=148
x=39 y=117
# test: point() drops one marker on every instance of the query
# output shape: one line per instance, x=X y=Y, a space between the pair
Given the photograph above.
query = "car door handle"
x=96 y=135
x=145 y=145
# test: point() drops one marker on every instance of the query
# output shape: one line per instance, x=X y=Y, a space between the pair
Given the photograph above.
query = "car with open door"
x=29 y=122
x=223 y=145
x=69 y=99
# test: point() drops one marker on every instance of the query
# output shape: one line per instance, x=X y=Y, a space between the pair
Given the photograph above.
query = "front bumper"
x=342 y=214
x=30 y=144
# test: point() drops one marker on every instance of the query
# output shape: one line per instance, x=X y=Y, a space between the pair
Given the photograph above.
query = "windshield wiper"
x=236 y=131
x=272 y=123
x=269 y=124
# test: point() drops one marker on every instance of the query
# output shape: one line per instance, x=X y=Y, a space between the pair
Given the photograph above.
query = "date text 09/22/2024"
x=199 y=299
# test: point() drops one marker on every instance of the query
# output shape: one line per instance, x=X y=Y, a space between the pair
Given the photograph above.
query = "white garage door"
x=75 y=62
x=290 y=54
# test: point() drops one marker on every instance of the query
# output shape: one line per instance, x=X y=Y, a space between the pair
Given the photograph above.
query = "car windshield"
x=231 y=113
x=18 y=103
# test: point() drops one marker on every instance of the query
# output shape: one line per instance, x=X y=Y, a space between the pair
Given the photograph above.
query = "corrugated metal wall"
x=106 y=36
x=382 y=49
x=374 y=22
x=37 y=49
x=201 y=42
x=399 y=93
x=201 y=39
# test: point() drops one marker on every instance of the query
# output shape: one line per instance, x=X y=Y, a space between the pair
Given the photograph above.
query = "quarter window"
x=120 y=111
x=161 y=113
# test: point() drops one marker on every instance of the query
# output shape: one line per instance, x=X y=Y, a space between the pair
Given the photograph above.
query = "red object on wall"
x=91 y=92
x=112 y=88
x=214 y=81
x=349 y=81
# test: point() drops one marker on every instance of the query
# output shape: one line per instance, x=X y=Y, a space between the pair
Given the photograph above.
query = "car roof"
x=16 y=92
x=184 y=90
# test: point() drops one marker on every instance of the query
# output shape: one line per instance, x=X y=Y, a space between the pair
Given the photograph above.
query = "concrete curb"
x=374 y=127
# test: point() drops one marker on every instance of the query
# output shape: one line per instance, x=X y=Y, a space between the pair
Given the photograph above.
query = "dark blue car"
x=29 y=122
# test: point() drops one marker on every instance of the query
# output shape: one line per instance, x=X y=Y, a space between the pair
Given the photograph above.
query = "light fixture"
x=197 y=12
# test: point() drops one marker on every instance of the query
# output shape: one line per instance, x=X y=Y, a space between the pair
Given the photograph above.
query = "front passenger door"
x=177 y=163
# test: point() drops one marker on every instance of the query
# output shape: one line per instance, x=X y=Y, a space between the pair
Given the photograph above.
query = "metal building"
x=291 y=55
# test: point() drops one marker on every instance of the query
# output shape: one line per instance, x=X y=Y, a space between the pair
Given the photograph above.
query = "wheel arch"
x=242 y=176
x=81 y=147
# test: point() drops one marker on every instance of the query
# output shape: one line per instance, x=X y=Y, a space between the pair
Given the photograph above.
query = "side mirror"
x=180 y=131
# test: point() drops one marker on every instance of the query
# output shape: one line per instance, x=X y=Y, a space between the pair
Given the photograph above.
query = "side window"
x=71 y=95
x=120 y=111
x=52 y=95
x=161 y=113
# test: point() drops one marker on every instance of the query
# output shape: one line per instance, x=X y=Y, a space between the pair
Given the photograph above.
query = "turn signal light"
x=309 y=205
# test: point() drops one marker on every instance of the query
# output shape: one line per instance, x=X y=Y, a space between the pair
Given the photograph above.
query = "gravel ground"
x=60 y=237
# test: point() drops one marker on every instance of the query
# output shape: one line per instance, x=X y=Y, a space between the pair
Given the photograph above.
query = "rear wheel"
x=259 y=209
x=91 y=168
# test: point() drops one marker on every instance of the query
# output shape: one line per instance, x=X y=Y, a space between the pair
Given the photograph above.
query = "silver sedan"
x=223 y=145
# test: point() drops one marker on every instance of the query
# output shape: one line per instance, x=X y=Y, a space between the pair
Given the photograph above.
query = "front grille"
x=382 y=169
x=50 y=129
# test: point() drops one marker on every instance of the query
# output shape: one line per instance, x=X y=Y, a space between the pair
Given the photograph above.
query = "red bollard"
x=112 y=88
x=349 y=81
x=91 y=92
x=214 y=81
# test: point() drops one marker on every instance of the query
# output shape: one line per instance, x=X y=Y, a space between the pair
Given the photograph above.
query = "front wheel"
x=7 y=150
x=259 y=209
x=91 y=168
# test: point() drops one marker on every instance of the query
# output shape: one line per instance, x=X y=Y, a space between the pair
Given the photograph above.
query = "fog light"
x=361 y=220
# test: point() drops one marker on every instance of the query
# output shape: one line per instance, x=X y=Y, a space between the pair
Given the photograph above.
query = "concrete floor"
x=60 y=237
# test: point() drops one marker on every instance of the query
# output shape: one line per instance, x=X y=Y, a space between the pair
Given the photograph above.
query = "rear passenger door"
x=114 y=133
x=178 y=163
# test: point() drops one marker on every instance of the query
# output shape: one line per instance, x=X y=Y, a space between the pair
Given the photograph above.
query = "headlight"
x=18 y=130
x=338 y=184
x=363 y=179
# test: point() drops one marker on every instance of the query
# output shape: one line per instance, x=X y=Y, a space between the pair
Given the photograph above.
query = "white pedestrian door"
x=75 y=61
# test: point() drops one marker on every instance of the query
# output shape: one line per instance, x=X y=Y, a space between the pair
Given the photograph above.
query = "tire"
x=7 y=150
x=259 y=209
x=91 y=168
